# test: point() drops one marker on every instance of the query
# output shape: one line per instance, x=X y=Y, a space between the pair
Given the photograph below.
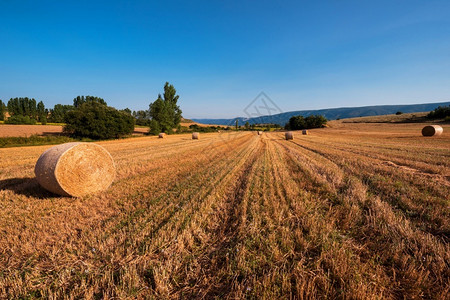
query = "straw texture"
x=75 y=169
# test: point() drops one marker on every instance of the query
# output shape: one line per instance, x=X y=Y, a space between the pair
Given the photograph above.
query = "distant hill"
x=330 y=113
x=184 y=120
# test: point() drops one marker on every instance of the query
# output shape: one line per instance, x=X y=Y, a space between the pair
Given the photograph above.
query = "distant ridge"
x=330 y=113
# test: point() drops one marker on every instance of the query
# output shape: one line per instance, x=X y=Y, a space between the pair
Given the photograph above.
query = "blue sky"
x=220 y=55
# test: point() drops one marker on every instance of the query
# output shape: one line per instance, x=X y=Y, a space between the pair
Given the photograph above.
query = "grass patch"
x=52 y=124
x=36 y=140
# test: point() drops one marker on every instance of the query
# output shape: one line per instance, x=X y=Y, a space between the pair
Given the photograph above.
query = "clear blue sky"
x=221 y=54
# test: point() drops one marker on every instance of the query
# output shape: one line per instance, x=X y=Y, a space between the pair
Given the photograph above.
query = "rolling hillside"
x=330 y=114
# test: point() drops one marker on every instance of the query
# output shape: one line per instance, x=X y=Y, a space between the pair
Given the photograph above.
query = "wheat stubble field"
x=355 y=211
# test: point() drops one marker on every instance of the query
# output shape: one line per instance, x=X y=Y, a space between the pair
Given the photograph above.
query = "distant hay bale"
x=75 y=169
x=289 y=135
x=432 y=130
x=162 y=135
x=305 y=132
x=195 y=135
x=259 y=132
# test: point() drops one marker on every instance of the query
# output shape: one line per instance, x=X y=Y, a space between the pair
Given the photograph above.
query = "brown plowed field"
x=357 y=212
x=27 y=130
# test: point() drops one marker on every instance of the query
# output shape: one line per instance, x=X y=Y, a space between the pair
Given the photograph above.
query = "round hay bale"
x=195 y=135
x=259 y=132
x=289 y=135
x=162 y=135
x=432 y=130
x=75 y=169
x=305 y=132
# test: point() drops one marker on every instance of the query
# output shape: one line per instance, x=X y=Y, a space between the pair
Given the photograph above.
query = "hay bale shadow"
x=26 y=186
x=48 y=133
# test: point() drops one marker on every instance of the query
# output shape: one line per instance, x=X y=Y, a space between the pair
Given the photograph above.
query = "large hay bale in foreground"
x=75 y=169
x=289 y=135
x=195 y=135
x=162 y=135
x=432 y=130
x=305 y=132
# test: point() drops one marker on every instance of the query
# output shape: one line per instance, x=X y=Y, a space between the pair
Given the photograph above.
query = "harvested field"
x=28 y=130
x=354 y=211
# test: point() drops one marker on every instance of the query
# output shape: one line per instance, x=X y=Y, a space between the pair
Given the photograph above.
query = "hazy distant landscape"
x=330 y=113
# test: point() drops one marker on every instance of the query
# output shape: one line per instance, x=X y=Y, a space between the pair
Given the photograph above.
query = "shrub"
x=439 y=113
x=196 y=128
x=98 y=121
x=312 y=121
x=399 y=113
x=19 y=119
x=35 y=140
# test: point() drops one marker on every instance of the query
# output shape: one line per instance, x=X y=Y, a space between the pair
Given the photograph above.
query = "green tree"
x=126 y=110
x=165 y=111
x=247 y=125
x=58 y=113
x=296 y=123
x=15 y=107
x=142 y=117
x=32 y=108
x=79 y=100
x=155 y=129
x=41 y=113
x=2 y=110
x=237 y=124
x=299 y=122
x=95 y=120
x=23 y=107
x=439 y=112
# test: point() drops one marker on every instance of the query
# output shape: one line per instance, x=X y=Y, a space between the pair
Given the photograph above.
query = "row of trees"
x=90 y=116
x=25 y=110
x=300 y=122
x=266 y=126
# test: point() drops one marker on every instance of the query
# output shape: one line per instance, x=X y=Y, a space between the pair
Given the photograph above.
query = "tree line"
x=441 y=112
x=91 y=117
x=300 y=122
x=23 y=110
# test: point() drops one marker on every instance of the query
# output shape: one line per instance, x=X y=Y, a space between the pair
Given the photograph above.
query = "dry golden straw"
x=305 y=132
x=195 y=135
x=75 y=169
x=162 y=135
x=432 y=130
x=289 y=135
